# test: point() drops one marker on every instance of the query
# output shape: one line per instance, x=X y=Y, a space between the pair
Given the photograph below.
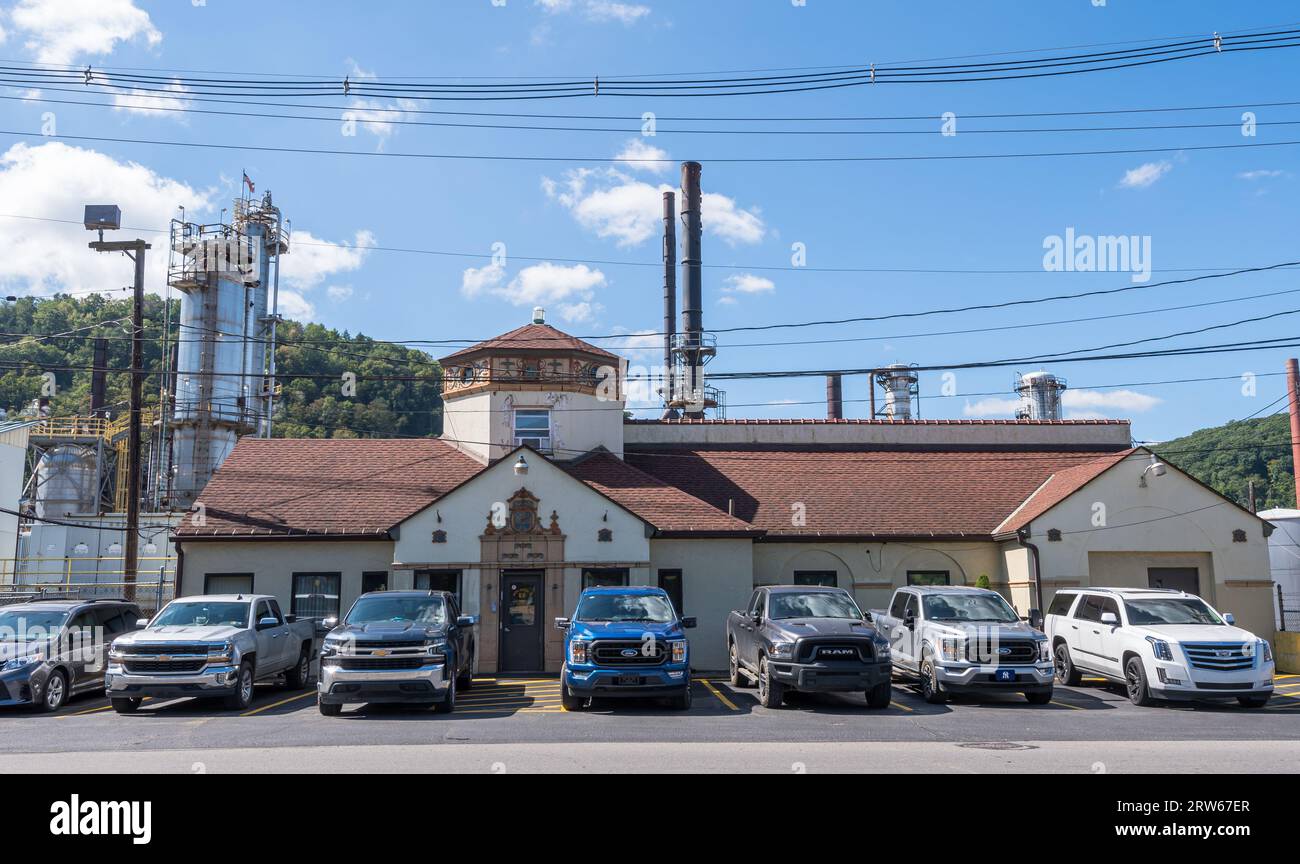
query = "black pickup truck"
x=807 y=638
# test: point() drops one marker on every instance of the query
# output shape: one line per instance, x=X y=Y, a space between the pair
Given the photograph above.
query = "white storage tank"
x=67 y=482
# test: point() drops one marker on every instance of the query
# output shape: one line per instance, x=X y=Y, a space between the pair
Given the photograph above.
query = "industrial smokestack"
x=1292 y=383
x=834 y=397
x=99 y=377
x=670 y=299
x=693 y=283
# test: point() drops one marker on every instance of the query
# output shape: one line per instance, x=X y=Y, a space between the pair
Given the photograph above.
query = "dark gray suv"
x=51 y=650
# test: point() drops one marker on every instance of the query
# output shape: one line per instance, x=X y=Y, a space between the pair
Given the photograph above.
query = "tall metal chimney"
x=834 y=397
x=693 y=286
x=99 y=378
x=1292 y=383
x=670 y=299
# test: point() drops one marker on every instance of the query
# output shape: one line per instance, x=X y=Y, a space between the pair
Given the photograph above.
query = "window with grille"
x=533 y=427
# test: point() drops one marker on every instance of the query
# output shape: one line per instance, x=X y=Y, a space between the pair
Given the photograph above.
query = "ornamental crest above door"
x=520 y=516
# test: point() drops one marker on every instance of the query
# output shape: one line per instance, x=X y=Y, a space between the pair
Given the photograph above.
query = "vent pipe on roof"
x=539 y=315
x=834 y=397
x=692 y=289
x=670 y=300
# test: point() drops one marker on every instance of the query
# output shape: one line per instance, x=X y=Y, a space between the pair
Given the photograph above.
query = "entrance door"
x=521 y=621
x=1178 y=578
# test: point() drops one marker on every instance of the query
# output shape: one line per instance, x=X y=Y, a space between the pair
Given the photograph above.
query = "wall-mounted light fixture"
x=1155 y=469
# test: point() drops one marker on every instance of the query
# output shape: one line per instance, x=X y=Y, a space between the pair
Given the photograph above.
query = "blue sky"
x=1200 y=209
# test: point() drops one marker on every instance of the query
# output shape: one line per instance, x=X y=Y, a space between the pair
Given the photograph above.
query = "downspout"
x=1038 y=568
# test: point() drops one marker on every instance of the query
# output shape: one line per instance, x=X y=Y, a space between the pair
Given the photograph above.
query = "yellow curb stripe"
x=278 y=704
x=901 y=705
x=714 y=690
x=1066 y=705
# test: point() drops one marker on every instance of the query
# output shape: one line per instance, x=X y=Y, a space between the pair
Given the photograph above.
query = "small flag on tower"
x=249 y=183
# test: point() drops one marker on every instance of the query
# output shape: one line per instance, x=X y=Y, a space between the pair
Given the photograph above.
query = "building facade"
x=540 y=487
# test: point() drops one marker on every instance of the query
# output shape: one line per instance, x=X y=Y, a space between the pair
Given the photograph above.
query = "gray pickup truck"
x=957 y=639
x=209 y=646
x=807 y=638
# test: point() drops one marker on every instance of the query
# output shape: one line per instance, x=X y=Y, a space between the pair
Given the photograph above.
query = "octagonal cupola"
x=535 y=385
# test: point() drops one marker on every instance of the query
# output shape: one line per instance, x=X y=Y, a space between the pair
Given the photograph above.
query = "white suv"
x=1159 y=644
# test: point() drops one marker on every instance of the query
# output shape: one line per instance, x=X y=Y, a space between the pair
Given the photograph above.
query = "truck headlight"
x=578 y=652
x=437 y=651
x=882 y=649
x=952 y=649
x=1044 y=651
x=782 y=649
x=1160 y=648
x=330 y=648
x=1266 y=650
x=679 y=650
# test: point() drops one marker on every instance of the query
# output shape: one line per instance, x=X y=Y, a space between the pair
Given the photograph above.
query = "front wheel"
x=297 y=677
x=682 y=701
x=1041 y=697
x=126 y=706
x=1252 y=701
x=466 y=679
x=930 y=689
x=569 y=701
x=329 y=709
x=1135 y=679
x=56 y=691
x=243 y=695
x=1065 y=671
x=880 y=696
x=448 y=704
x=771 y=694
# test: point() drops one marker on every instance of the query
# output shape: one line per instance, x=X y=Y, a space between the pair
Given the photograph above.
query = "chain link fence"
x=1289 y=610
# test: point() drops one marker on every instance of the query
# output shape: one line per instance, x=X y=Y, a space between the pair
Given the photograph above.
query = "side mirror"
x=1110 y=619
x=141 y=623
x=330 y=623
x=1035 y=619
x=290 y=619
x=909 y=621
x=467 y=621
x=267 y=623
x=866 y=616
x=1230 y=618
x=688 y=623
x=561 y=623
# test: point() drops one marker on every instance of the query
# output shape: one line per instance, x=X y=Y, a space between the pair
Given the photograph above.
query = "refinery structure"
x=217 y=385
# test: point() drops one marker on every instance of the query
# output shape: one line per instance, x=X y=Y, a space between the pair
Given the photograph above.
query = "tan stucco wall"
x=717 y=576
x=483 y=423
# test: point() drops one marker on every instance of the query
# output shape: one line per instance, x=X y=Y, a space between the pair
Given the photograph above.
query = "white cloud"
x=1144 y=175
x=641 y=155
x=598 y=10
x=1262 y=174
x=748 y=283
x=62 y=31
x=312 y=260
x=144 y=102
x=571 y=290
x=339 y=293
x=727 y=301
x=1078 y=404
x=54 y=181
x=616 y=206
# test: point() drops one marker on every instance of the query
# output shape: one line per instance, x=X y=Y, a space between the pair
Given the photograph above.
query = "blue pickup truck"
x=625 y=641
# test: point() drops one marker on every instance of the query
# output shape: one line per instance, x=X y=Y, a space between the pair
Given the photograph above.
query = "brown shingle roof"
x=863 y=493
x=667 y=508
x=334 y=487
x=1061 y=485
x=531 y=337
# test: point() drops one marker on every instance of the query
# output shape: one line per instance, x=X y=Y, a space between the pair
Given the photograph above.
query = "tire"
x=56 y=692
x=881 y=695
x=1039 y=698
x=931 y=691
x=1066 y=673
x=682 y=701
x=448 y=704
x=297 y=677
x=329 y=709
x=243 y=695
x=466 y=680
x=568 y=701
x=1135 y=680
x=1252 y=701
x=735 y=676
x=126 y=706
x=771 y=694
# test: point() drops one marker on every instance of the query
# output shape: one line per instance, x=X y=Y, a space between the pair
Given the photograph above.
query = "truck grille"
x=615 y=652
x=172 y=649
x=832 y=650
x=989 y=651
x=371 y=644
x=358 y=664
x=134 y=666
x=1220 y=656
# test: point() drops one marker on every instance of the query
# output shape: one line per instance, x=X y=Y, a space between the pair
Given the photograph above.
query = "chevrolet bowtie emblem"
x=380 y=652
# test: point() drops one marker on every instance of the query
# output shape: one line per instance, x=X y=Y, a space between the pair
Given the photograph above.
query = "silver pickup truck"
x=956 y=639
x=211 y=647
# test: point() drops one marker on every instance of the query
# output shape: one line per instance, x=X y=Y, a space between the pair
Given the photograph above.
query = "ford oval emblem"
x=628 y=652
x=1004 y=651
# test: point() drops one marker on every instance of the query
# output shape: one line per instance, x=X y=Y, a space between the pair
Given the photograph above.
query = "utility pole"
x=109 y=217
x=1293 y=393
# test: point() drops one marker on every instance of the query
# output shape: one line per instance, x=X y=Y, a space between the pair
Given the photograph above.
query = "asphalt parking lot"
x=523 y=710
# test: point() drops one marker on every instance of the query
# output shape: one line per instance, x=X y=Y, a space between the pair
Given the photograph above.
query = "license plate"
x=628 y=680
x=1005 y=675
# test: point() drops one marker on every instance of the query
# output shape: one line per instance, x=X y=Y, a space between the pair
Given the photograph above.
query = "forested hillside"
x=312 y=358
x=1229 y=457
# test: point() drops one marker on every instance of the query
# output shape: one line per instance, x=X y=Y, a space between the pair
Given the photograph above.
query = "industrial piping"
x=693 y=293
x=670 y=300
x=834 y=397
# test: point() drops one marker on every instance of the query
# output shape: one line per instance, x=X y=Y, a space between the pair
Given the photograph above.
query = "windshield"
x=429 y=611
x=202 y=614
x=968 y=607
x=24 y=625
x=814 y=604
x=1171 y=610
x=650 y=608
